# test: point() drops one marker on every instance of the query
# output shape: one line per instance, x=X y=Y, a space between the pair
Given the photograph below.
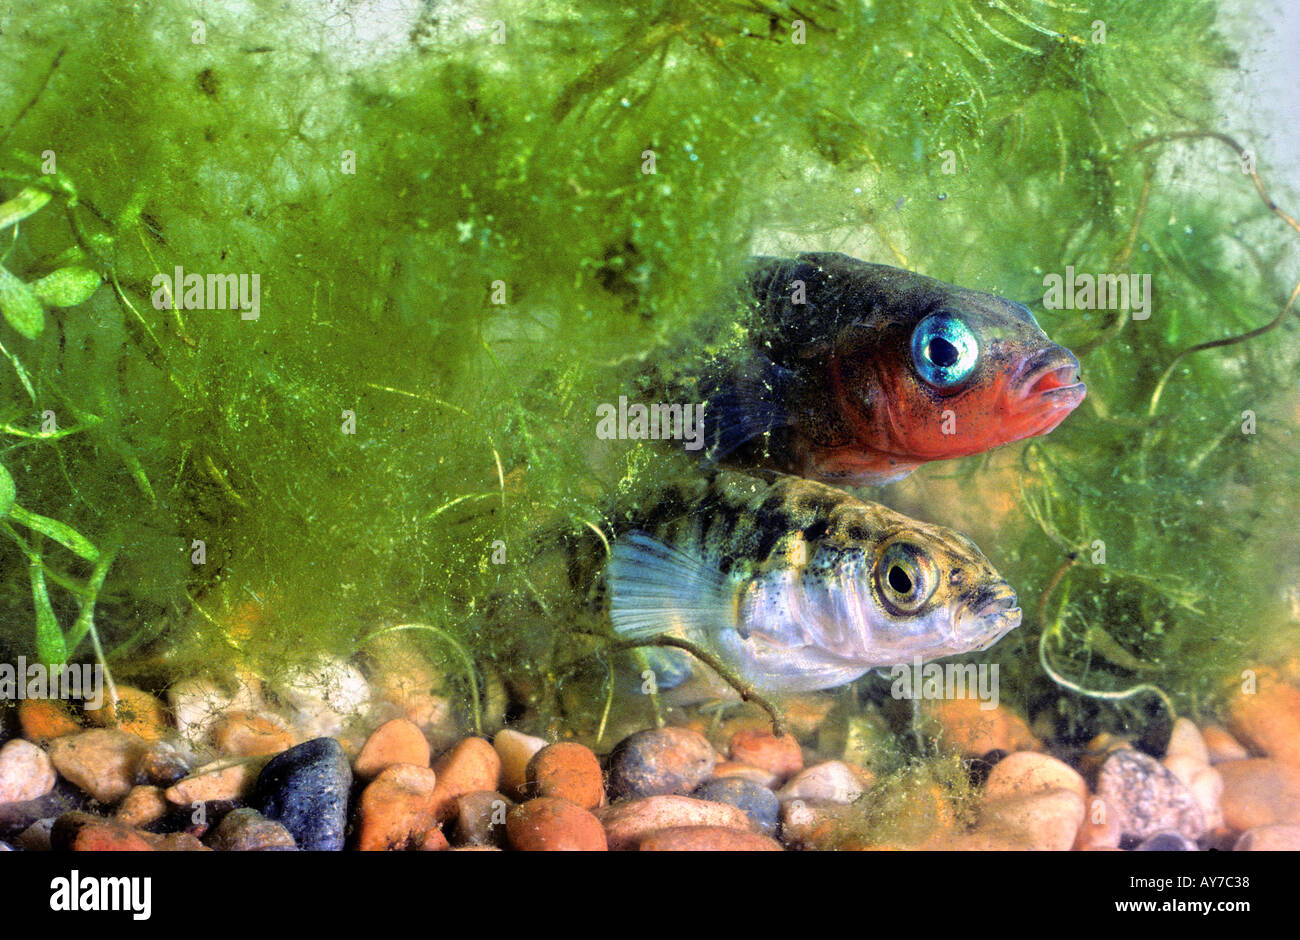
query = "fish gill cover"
x=460 y=228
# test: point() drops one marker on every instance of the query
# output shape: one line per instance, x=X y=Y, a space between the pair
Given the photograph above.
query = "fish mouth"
x=1051 y=377
x=992 y=615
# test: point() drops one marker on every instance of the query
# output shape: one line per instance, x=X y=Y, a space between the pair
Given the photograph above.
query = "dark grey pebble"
x=658 y=762
x=305 y=789
x=1167 y=842
x=36 y=837
x=15 y=817
x=753 y=799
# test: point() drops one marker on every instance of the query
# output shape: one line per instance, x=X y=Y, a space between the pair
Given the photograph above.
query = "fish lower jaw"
x=992 y=628
x=1064 y=397
x=1044 y=412
x=854 y=467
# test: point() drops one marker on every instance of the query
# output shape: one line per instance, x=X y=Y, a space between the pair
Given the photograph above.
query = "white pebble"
x=324 y=695
x=833 y=781
x=26 y=772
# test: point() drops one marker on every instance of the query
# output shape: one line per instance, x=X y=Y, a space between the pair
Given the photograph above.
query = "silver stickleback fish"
x=794 y=584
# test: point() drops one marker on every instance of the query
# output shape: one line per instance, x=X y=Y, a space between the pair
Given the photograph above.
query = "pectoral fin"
x=655 y=588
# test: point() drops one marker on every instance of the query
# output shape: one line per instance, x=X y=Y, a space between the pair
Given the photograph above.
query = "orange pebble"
x=135 y=712
x=550 y=824
x=782 y=757
x=43 y=719
x=471 y=765
x=707 y=839
x=399 y=741
x=567 y=770
x=396 y=808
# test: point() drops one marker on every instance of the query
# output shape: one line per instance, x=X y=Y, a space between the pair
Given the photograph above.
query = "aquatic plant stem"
x=746 y=692
x=1249 y=168
x=45 y=83
x=1241 y=152
x=467 y=661
x=1118 y=696
x=609 y=702
x=85 y=622
x=103 y=661
x=1121 y=257
x=1054 y=630
x=1213 y=344
x=656 y=706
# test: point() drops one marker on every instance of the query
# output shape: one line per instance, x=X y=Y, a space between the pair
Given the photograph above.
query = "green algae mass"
x=461 y=252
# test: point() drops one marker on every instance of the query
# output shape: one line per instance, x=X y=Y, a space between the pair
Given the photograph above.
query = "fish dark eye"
x=942 y=353
x=905 y=577
x=899 y=581
x=944 y=350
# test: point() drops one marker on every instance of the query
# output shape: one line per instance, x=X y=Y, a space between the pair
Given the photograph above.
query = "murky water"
x=311 y=318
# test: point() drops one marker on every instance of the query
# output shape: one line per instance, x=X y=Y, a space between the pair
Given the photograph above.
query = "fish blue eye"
x=944 y=350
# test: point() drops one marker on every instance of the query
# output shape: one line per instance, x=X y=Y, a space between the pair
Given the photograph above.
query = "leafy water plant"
x=474 y=225
x=23 y=307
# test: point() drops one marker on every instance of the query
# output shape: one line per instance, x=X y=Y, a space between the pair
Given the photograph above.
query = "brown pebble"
x=101 y=762
x=247 y=830
x=550 y=824
x=1259 y=791
x=229 y=779
x=1207 y=787
x=162 y=765
x=143 y=805
x=399 y=741
x=567 y=770
x=780 y=756
x=135 y=712
x=252 y=734
x=395 y=807
x=174 y=842
x=36 y=837
x=481 y=818
x=626 y=823
x=731 y=768
x=707 y=839
x=471 y=765
x=927 y=815
x=1183 y=766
